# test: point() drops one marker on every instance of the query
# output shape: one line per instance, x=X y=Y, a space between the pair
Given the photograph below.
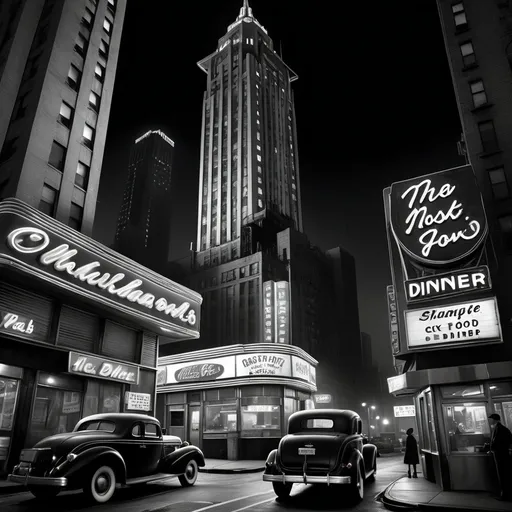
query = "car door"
x=132 y=449
x=153 y=450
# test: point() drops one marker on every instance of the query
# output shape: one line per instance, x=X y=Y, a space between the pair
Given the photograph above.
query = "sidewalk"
x=420 y=494
x=7 y=487
x=222 y=466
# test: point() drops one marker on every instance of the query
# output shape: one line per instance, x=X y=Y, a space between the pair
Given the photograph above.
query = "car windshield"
x=104 y=426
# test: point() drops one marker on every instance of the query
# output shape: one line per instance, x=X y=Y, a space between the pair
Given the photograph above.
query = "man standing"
x=501 y=439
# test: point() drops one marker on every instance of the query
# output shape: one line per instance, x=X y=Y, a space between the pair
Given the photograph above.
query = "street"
x=218 y=493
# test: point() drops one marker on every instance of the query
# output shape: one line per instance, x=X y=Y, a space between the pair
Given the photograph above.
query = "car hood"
x=61 y=444
x=327 y=448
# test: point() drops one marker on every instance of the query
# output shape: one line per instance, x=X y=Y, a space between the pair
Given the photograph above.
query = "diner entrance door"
x=194 y=421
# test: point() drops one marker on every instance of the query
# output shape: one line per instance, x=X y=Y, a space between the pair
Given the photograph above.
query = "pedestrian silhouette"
x=501 y=439
x=411 y=457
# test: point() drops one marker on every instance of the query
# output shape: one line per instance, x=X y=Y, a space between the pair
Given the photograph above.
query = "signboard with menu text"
x=404 y=411
x=267 y=363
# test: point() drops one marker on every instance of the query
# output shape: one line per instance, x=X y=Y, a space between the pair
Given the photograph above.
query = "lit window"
x=459 y=15
x=107 y=26
x=260 y=191
x=74 y=75
x=499 y=183
x=258 y=147
x=258 y=135
x=88 y=17
x=258 y=157
x=65 y=114
x=478 y=93
x=468 y=54
x=488 y=137
x=82 y=175
x=260 y=203
x=88 y=135
x=48 y=199
x=57 y=156
x=94 y=101
x=99 y=71
x=103 y=48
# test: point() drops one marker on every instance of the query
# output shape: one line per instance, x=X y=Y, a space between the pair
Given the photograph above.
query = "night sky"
x=374 y=104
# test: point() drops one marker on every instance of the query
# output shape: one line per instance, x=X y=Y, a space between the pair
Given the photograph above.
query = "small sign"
x=393 y=320
x=268 y=311
x=137 y=401
x=282 y=311
x=397 y=383
x=323 y=399
x=456 y=324
x=451 y=283
x=404 y=411
x=16 y=324
x=100 y=368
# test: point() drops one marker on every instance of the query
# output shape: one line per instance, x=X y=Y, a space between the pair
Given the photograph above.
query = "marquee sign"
x=276 y=311
x=44 y=248
x=444 y=285
x=456 y=324
x=263 y=364
x=438 y=219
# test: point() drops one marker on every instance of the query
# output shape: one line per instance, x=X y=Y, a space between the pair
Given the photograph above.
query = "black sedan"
x=103 y=451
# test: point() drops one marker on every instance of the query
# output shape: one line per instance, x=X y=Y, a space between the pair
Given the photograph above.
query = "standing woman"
x=411 y=457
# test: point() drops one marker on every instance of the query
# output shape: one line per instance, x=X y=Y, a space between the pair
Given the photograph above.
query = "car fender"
x=176 y=462
x=369 y=454
x=271 y=462
x=74 y=470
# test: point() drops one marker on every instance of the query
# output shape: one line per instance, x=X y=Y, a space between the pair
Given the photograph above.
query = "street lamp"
x=377 y=417
x=385 y=421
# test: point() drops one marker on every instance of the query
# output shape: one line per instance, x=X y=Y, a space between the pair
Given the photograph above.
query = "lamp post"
x=369 y=408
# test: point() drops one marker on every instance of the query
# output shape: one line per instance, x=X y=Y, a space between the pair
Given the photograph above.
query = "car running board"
x=147 y=479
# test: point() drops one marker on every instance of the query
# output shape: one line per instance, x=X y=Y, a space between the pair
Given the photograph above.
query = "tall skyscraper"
x=144 y=223
x=249 y=161
x=57 y=67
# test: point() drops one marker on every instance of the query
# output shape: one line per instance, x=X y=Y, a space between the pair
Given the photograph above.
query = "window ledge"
x=485 y=106
x=470 y=67
x=490 y=153
x=461 y=30
x=62 y=124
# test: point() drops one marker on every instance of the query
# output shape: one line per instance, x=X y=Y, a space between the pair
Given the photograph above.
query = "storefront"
x=234 y=401
x=79 y=327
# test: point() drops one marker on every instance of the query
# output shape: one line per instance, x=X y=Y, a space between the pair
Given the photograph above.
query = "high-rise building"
x=144 y=223
x=249 y=161
x=57 y=66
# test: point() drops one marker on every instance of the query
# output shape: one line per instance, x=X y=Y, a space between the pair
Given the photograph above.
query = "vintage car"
x=322 y=446
x=105 y=450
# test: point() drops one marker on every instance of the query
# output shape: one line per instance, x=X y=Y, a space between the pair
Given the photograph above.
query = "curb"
x=445 y=508
x=391 y=503
x=231 y=471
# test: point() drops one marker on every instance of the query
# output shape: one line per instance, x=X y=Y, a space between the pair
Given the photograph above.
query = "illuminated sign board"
x=37 y=245
x=197 y=371
x=322 y=399
x=303 y=370
x=444 y=285
x=276 y=312
x=404 y=411
x=456 y=324
x=268 y=311
x=15 y=324
x=393 y=320
x=440 y=218
x=397 y=383
x=93 y=366
x=263 y=364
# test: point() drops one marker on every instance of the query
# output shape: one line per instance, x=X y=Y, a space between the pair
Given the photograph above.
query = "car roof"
x=120 y=418
x=325 y=413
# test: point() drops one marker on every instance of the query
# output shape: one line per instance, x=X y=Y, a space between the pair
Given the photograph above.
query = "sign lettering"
x=439 y=218
x=404 y=411
x=393 y=320
x=103 y=369
x=15 y=323
x=199 y=372
x=137 y=401
x=323 y=399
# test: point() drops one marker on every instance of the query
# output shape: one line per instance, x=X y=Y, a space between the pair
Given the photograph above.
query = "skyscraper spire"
x=245 y=10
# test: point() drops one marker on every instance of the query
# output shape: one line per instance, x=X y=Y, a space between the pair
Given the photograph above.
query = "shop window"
x=467 y=427
x=8 y=395
x=220 y=418
x=498 y=389
x=458 y=391
x=194 y=421
x=259 y=417
x=430 y=423
x=57 y=407
x=424 y=432
x=102 y=396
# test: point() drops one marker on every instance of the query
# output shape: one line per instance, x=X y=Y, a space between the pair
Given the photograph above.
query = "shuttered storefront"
x=149 y=349
x=120 y=342
x=78 y=330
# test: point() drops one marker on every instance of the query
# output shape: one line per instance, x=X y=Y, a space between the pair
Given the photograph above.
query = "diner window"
x=220 y=418
x=478 y=93
x=462 y=391
x=488 y=137
x=430 y=422
x=467 y=427
x=499 y=183
x=102 y=397
x=424 y=428
x=459 y=16
x=501 y=394
x=468 y=54
x=176 y=418
x=8 y=395
x=261 y=417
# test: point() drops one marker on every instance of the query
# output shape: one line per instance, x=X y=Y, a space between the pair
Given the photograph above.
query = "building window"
x=82 y=175
x=111 y=4
x=74 y=75
x=259 y=417
x=99 y=71
x=459 y=16
x=88 y=18
x=467 y=426
x=468 y=54
x=48 y=200
x=103 y=48
x=94 y=101
x=499 y=183
x=76 y=214
x=88 y=135
x=65 y=114
x=220 y=418
x=488 y=137
x=81 y=45
x=57 y=156
x=478 y=93
x=107 y=26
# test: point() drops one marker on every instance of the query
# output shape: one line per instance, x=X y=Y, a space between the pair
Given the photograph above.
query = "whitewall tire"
x=190 y=476
x=101 y=484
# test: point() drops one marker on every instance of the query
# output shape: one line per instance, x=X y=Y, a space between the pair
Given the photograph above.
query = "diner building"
x=79 y=328
x=234 y=401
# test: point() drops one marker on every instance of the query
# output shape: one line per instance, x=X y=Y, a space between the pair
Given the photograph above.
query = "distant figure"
x=411 y=457
x=501 y=439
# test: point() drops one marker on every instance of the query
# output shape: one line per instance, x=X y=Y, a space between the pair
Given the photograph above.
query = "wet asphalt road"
x=218 y=493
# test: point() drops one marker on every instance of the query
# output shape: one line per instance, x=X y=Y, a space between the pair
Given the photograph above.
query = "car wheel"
x=282 y=490
x=190 y=476
x=101 y=484
x=44 y=492
x=357 y=484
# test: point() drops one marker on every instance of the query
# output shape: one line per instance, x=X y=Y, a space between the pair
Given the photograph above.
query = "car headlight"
x=71 y=457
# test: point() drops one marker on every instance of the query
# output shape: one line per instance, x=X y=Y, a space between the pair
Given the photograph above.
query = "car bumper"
x=39 y=481
x=307 y=479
